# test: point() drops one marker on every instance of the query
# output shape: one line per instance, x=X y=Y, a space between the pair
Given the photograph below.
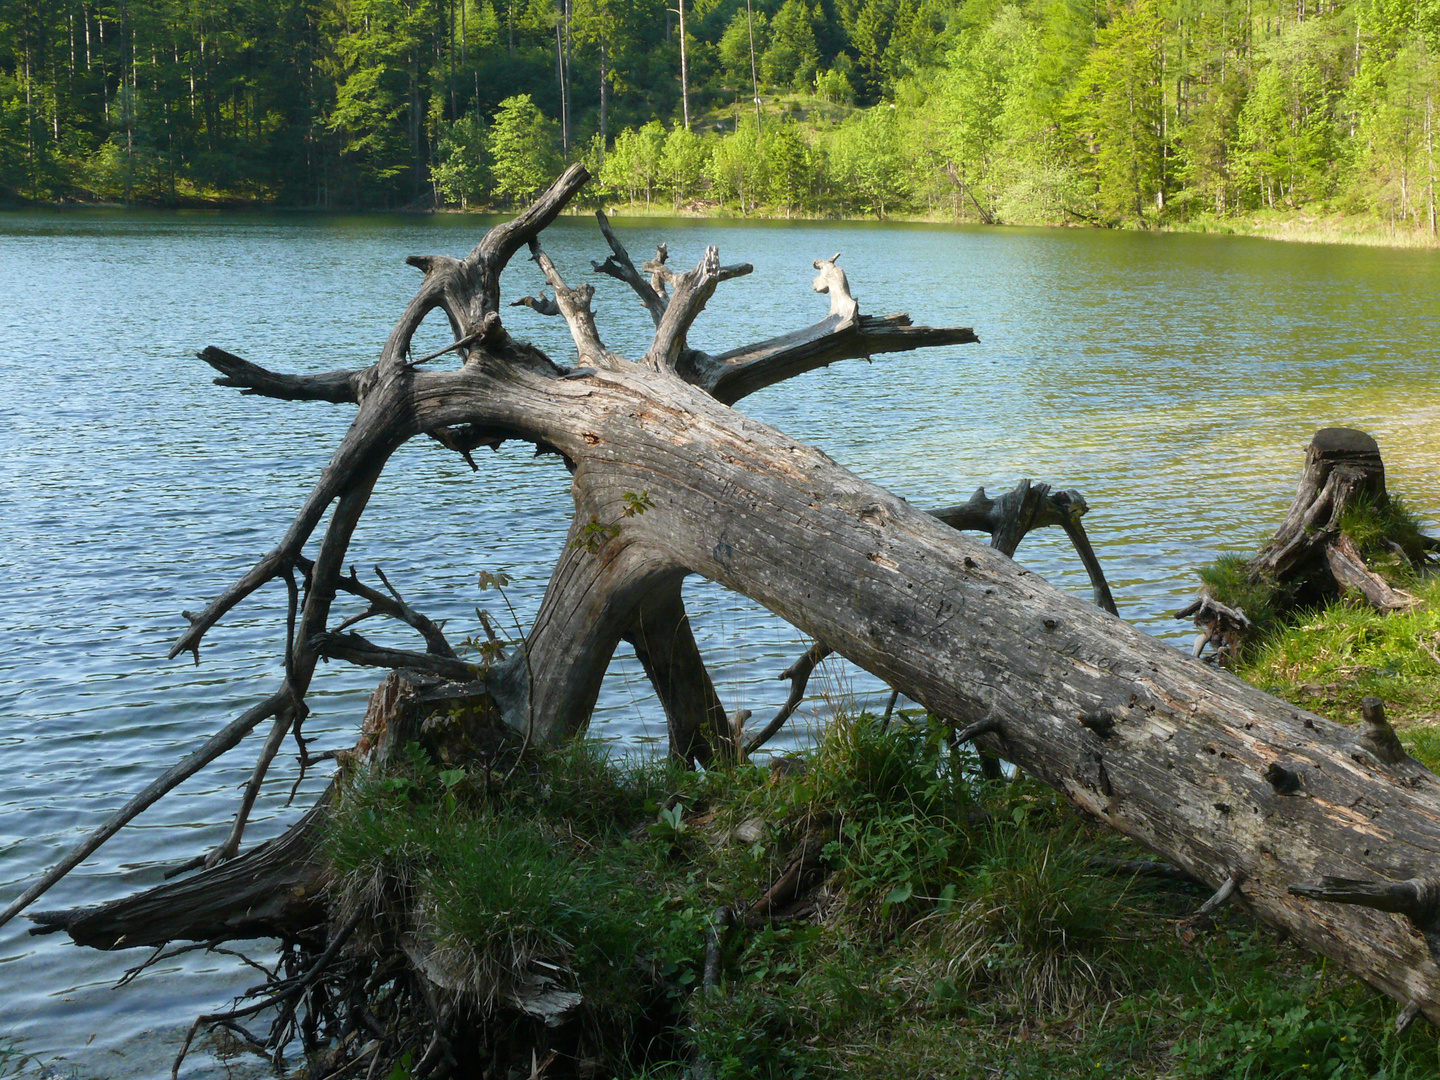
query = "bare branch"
x=225 y=739
x=799 y=675
x=444 y=288
x=832 y=280
x=692 y=291
x=392 y=606
x=574 y=304
x=378 y=429
x=340 y=387
x=619 y=266
x=458 y=344
x=665 y=645
x=658 y=271
x=1076 y=532
x=499 y=245
x=1418 y=899
x=230 y=847
x=541 y=304
x=732 y=375
x=354 y=649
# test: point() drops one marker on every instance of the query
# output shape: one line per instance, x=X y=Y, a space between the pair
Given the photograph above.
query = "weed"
x=1265 y=603
x=12 y=1059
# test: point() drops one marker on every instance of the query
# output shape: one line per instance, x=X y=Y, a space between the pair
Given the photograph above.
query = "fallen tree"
x=1290 y=814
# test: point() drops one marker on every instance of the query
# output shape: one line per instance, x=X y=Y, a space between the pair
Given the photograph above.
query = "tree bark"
x=1343 y=468
x=1229 y=784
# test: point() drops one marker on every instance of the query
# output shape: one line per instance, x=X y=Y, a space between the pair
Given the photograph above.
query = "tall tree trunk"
x=684 y=67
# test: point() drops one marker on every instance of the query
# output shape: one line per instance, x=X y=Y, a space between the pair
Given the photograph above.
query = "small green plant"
x=594 y=535
x=962 y=928
x=635 y=505
x=493 y=580
x=669 y=826
x=1263 y=602
x=12 y=1059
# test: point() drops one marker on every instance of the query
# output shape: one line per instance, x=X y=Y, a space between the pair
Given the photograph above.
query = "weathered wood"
x=1342 y=467
x=1340 y=464
x=1310 y=559
x=1185 y=760
x=1220 y=625
x=1007 y=519
x=699 y=728
x=275 y=889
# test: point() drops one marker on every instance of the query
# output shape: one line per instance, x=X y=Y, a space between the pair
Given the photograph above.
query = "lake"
x=1173 y=379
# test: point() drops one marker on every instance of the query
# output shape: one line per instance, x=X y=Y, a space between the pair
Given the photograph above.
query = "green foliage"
x=1373 y=526
x=522 y=150
x=834 y=86
x=866 y=162
x=634 y=166
x=1310 y=1026
x=1385 y=533
x=963 y=930
x=1116 y=108
x=1020 y=111
x=792 y=57
x=12 y=1059
x=461 y=174
x=683 y=162
x=734 y=46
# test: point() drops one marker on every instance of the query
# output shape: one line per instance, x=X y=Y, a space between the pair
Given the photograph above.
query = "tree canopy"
x=1030 y=110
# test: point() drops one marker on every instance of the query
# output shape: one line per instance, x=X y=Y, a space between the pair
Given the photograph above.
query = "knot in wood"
x=1100 y=721
x=1379 y=737
x=1285 y=781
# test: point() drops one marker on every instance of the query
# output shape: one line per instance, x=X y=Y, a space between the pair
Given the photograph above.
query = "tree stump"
x=1310 y=550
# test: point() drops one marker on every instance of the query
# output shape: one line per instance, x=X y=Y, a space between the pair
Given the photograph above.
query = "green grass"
x=1264 y=603
x=962 y=930
x=1327 y=660
x=1377 y=529
x=1388 y=537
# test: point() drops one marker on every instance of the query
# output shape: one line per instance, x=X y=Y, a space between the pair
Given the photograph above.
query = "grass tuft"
x=1265 y=603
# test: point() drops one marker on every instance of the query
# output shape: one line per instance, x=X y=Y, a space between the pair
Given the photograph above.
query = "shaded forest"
x=1148 y=111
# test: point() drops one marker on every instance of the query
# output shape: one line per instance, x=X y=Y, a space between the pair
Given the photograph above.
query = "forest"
x=1031 y=111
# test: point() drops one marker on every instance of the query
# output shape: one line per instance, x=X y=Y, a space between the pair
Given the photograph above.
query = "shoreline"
x=1298 y=227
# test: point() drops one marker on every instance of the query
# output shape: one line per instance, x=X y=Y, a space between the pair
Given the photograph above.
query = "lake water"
x=1174 y=380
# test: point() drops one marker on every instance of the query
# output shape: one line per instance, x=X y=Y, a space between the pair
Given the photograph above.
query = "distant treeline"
x=1038 y=110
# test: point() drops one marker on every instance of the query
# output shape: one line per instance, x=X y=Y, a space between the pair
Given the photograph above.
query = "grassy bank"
x=945 y=925
x=1296 y=227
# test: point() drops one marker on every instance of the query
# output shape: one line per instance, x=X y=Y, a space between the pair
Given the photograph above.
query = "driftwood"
x=1219 y=779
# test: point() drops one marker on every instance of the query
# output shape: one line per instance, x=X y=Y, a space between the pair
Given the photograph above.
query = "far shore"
x=1293 y=226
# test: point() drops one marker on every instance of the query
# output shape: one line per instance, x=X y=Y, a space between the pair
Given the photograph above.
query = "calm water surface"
x=1172 y=379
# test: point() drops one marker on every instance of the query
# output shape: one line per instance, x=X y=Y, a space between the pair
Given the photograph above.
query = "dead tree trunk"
x=1343 y=469
x=1236 y=787
x=1311 y=559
